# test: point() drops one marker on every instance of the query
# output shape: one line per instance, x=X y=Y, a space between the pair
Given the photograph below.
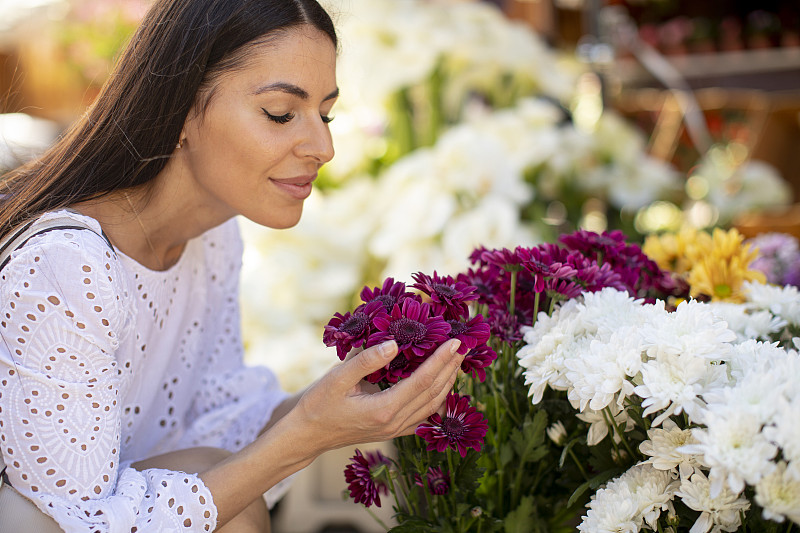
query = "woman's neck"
x=152 y=223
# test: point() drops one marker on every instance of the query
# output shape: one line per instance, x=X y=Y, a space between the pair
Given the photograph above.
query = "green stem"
x=377 y=519
x=536 y=307
x=452 y=484
x=610 y=424
x=571 y=453
x=513 y=294
x=621 y=436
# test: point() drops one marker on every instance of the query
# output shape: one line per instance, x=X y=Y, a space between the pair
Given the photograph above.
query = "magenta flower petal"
x=477 y=360
x=462 y=427
x=438 y=482
x=351 y=329
x=389 y=294
x=449 y=297
x=364 y=488
x=416 y=332
x=471 y=333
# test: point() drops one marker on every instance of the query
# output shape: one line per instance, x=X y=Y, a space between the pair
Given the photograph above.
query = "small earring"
x=180 y=144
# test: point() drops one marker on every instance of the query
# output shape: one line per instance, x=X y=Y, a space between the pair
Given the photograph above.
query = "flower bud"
x=476 y=512
x=557 y=433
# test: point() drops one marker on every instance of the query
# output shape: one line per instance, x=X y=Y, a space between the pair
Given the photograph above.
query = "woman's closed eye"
x=283 y=119
x=278 y=119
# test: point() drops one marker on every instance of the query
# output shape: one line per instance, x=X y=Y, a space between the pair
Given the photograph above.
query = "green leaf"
x=506 y=454
x=520 y=520
x=528 y=442
x=593 y=484
x=415 y=525
x=468 y=472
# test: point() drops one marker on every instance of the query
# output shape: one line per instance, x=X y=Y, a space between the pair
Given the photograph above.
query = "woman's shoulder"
x=72 y=248
x=70 y=273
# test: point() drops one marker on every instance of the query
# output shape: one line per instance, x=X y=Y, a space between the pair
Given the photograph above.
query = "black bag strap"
x=16 y=240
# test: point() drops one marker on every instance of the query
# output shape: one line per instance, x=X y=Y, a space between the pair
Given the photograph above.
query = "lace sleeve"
x=64 y=309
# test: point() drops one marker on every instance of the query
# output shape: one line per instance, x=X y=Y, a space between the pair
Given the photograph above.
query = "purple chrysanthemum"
x=449 y=297
x=462 y=427
x=595 y=246
x=477 y=360
x=502 y=258
x=349 y=330
x=543 y=267
x=486 y=280
x=438 y=482
x=391 y=293
x=361 y=479
x=416 y=332
x=471 y=333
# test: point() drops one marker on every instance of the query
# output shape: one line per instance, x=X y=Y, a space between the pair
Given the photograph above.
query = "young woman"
x=124 y=403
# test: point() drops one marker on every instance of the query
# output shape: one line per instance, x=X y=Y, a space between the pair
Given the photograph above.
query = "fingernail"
x=454 y=345
x=386 y=348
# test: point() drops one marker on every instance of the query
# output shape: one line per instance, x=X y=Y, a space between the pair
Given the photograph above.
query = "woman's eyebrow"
x=292 y=89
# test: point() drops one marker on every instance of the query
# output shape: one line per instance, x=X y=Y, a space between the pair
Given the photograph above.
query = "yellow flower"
x=723 y=268
x=677 y=252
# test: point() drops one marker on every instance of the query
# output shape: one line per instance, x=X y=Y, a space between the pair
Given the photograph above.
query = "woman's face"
x=256 y=149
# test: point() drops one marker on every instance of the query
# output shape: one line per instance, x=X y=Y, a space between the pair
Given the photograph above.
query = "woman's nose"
x=318 y=143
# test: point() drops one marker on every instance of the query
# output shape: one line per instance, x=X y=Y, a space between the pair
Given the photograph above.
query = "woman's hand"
x=346 y=410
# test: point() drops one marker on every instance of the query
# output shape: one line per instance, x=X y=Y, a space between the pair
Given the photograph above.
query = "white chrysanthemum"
x=720 y=513
x=594 y=311
x=733 y=446
x=747 y=323
x=785 y=432
x=754 y=357
x=636 y=497
x=761 y=375
x=662 y=448
x=652 y=490
x=693 y=330
x=599 y=423
x=543 y=356
x=612 y=510
x=780 y=301
x=779 y=495
x=675 y=383
x=601 y=375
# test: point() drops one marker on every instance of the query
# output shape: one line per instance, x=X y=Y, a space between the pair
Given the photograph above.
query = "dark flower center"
x=452 y=427
x=456 y=328
x=387 y=300
x=398 y=363
x=407 y=331
x=445 y=291
x=355 y=324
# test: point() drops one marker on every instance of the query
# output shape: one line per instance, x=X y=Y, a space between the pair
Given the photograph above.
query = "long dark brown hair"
x=170 y=65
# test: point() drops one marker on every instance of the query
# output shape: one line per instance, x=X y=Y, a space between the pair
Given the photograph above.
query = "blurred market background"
x=466 y=123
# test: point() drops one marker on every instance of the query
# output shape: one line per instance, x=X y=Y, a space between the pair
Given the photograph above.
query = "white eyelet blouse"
x=105 y=362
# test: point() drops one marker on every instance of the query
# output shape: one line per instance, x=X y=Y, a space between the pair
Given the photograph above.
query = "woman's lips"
x=299 y=188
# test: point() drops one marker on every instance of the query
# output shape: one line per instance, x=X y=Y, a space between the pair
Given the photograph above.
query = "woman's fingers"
x=362 y=364
x=425 y=389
